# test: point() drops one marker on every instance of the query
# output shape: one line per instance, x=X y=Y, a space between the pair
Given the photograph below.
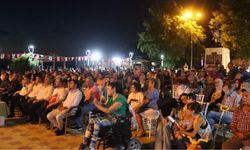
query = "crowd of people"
x=46 y=96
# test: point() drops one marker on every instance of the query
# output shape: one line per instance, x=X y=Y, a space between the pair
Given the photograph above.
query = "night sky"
x=69 y=27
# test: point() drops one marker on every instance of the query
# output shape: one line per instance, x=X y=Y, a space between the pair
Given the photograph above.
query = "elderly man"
x=240 y=124
x=232 y=100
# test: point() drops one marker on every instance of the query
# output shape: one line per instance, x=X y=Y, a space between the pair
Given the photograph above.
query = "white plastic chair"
x=200 y=99
x=150 y=124
x=174 y=91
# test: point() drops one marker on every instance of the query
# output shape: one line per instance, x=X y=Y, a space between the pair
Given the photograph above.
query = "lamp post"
x=191 y=17
x=88 y=53
x=96 y=57
x=31 y=48
x=131 y=54
x=162 y=60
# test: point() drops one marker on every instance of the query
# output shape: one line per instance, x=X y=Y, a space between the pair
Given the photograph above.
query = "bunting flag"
x=57 y=58
x=45 y=57
x=2 y=56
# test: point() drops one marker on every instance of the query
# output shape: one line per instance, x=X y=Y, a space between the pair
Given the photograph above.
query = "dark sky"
x=69 y=27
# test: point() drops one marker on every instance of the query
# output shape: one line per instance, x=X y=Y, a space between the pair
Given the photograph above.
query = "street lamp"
x=117 y=61
x=31 y=48
x=191 y=17
x=131 y=54
x=95 y=57
x=88 y=54
x=162 y=60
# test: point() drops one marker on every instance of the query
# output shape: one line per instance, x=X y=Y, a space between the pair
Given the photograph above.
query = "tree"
x=232 y=24
x=24 y=63
x=168 y=33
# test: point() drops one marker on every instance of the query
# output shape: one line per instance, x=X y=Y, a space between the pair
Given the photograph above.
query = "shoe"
x=28 y=119
x=83 y=146
x=140 y=133
x=59 y=132
x=34 y=122
x=11 y=116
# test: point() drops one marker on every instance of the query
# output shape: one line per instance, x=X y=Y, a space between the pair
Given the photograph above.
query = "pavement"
x=17 y=134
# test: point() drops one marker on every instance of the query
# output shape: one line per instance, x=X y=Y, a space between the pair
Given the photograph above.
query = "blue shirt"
x=153 y=97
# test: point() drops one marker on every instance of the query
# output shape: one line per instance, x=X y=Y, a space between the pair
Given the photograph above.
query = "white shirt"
x=26 y=89
x=73 y=99
x=135 y=96
x=45 y=92
x=35 y=90
x=60 y=94
x=232 y=101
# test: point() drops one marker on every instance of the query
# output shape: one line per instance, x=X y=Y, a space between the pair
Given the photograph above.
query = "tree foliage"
x=232 y=23
x=24 y=63
x=168 y=33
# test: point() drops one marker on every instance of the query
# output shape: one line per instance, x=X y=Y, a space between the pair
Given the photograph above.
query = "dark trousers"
x=25 y=107
x=33 y=107
x=43 y=111
x=15 y=101
x=4 y=98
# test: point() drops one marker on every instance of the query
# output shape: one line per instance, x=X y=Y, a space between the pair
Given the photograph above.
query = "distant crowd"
x=47 y=96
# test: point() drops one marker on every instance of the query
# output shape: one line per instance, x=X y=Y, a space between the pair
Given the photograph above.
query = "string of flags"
x=45 y=57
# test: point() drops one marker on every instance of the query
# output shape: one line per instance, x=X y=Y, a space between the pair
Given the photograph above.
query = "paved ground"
x=19 y=135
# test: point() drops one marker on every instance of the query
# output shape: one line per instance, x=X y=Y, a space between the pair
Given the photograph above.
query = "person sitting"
x=149 y=106
x=101 y=83
x=135 y=98
x=4 y=85
x=73 y=99
x=208 y=89
x=185 y=100
x=19 y=96
x=115 y=106
x=194 y=126
x=31 y=96
x=232 y=100
x=91 y=91
x=217 y=95
x=43 y=96
x=240 y=124
x=58 y=96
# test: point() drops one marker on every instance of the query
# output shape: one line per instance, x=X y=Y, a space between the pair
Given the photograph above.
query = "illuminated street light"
x=31 y=48
x=198 y=15
x=96 y=56
x=189 y=16
x=131 y=54
x=162 y=60
x=88 y=54
x=117 y=61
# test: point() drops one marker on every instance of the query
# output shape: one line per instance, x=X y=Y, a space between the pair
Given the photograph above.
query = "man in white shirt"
x=31 y=96
x=19 y=96
x=43 y=95
x=57 y=97
x=73 y=99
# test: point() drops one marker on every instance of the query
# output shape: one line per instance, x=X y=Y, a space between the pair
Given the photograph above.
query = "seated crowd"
x=47 y=97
